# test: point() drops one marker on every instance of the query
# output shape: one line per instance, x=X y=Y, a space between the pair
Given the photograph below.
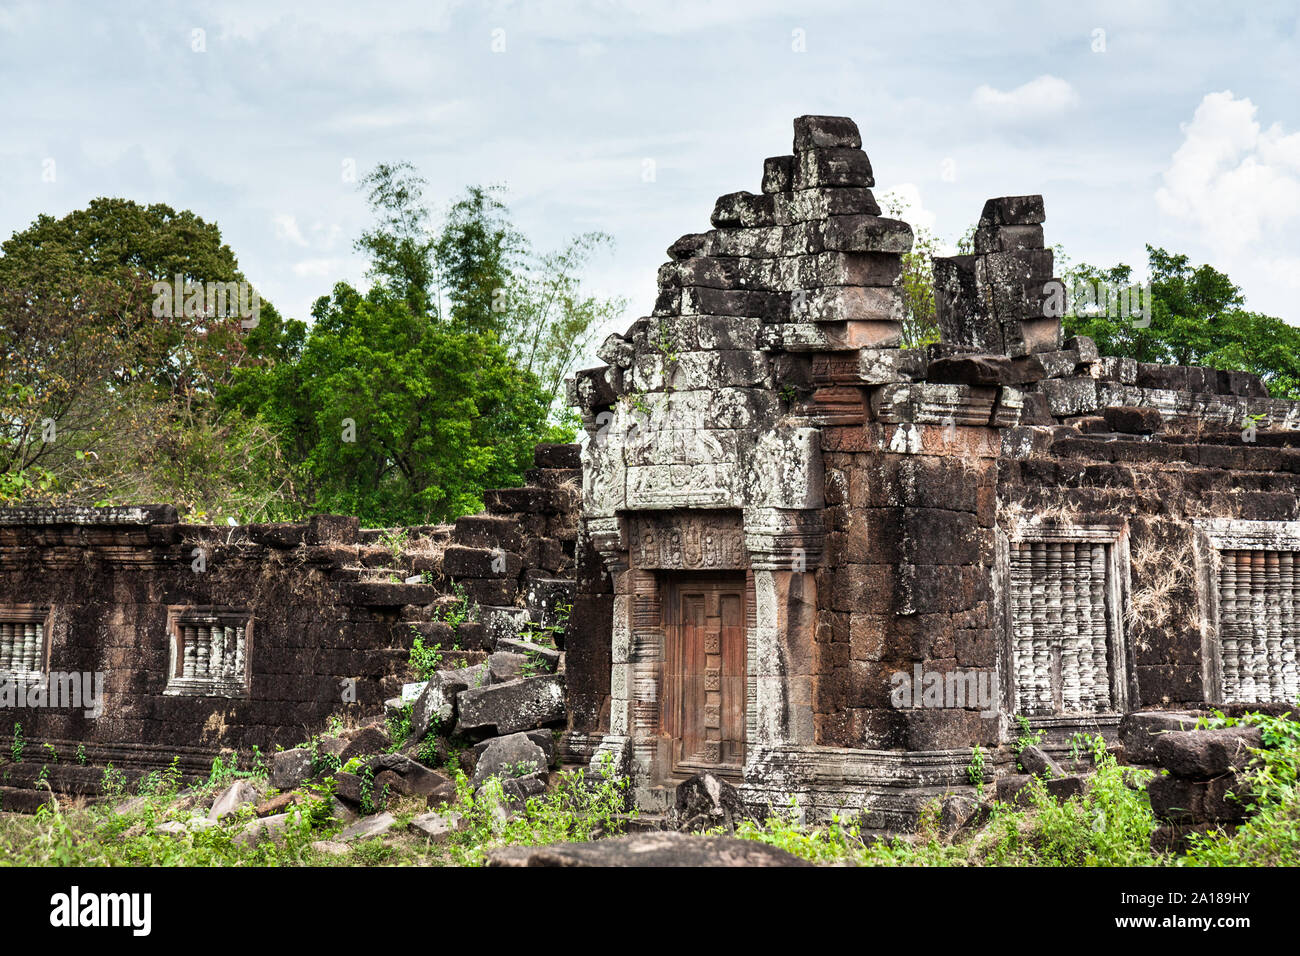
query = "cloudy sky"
x=1173 y=124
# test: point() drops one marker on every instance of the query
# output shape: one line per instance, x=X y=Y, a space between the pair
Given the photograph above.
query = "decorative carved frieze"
x=687 y=542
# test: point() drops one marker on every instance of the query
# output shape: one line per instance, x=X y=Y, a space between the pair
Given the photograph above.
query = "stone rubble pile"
x=1200 y=785
x=509 y=705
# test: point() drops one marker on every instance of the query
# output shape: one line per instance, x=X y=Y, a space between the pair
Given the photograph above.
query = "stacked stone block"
x=1000 y=298
x=516 y=560
x=1202 y=784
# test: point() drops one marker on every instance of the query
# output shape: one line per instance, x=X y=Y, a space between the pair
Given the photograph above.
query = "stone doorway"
x=704 y=685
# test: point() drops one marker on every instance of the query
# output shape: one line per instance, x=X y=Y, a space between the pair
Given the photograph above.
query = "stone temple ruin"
x=805 y=559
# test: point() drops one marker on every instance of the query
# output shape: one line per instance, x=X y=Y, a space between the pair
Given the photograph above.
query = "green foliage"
x=399 y=245
x=477 y=274
x=576 y=808
x=975 y=769
x=223 y=774
x=395 y=418
x=546 y=635
x=424 y=661
x=1198 y=319
x=1271 y=834
x=399 y=726
x=124 y=410
x=429 y=746
x=462 y=609
x=1028 y=736
x=16 y=747
x=839 y=841
x=920 y=327
x=1110 y=825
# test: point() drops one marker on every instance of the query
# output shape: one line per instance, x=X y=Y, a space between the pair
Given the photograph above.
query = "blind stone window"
x=1060 y=627
x=209 y=653
x=1259 y=625
x=22 y=641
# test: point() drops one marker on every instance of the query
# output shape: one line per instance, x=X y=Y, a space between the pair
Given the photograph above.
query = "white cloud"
x=1045 y=95
x=320 y=268
x=286 y=227
x=903 y=201
x=1230 y=178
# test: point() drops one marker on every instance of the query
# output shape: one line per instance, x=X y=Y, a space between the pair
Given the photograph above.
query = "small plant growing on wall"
x=975 y=769
x=424 y=661
x=16 y=748
x=395 y=540
x=1028 y=736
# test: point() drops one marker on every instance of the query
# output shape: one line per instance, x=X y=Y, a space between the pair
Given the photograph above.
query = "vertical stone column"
x=1002 y=298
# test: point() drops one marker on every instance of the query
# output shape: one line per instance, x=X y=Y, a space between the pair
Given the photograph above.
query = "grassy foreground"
x=1109 y=825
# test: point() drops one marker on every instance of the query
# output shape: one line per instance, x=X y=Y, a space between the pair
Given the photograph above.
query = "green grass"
x=1109 y=824
x=122 y=830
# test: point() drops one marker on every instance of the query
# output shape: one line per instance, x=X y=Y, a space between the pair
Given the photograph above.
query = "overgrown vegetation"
x=400 y=404
x=1198 y=318
x=1109 y=824
x=124 y=830
x=1271 y=834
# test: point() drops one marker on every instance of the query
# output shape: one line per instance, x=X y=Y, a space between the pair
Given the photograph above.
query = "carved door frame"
x=704 y=659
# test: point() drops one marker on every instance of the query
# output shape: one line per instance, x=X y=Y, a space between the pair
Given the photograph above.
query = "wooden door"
x=703 y=709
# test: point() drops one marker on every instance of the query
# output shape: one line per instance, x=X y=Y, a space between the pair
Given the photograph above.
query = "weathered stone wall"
x=329 y=602
x=892 y=501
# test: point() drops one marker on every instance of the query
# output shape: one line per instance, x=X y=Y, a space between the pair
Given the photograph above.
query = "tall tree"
x=400 y=244
x=104 y=397
x=398 y=419
x=478 y=273
x=1197 y=318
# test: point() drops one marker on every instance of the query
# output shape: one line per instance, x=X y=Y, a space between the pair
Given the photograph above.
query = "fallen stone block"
x=542 y=738
x=706 y=801
x=290 y=768
x=1035 y=761
x=238 y=794
x=366 y=741
x=372 y=826
x=504 y=666
x=348 y=788
x=1179 y=800
x=411 y=778
x=648 y=849
x=1139 y=731
x=264 y=828
x=548 y=657
x=331 y=848
x=438 y=701
x=956 y=812
x=438 y=827
x=507 y=708
x=515 y=755
x=1204 y=754
x=276 y=805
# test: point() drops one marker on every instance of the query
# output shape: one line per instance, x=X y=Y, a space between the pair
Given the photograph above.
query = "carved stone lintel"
x=688 y=542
